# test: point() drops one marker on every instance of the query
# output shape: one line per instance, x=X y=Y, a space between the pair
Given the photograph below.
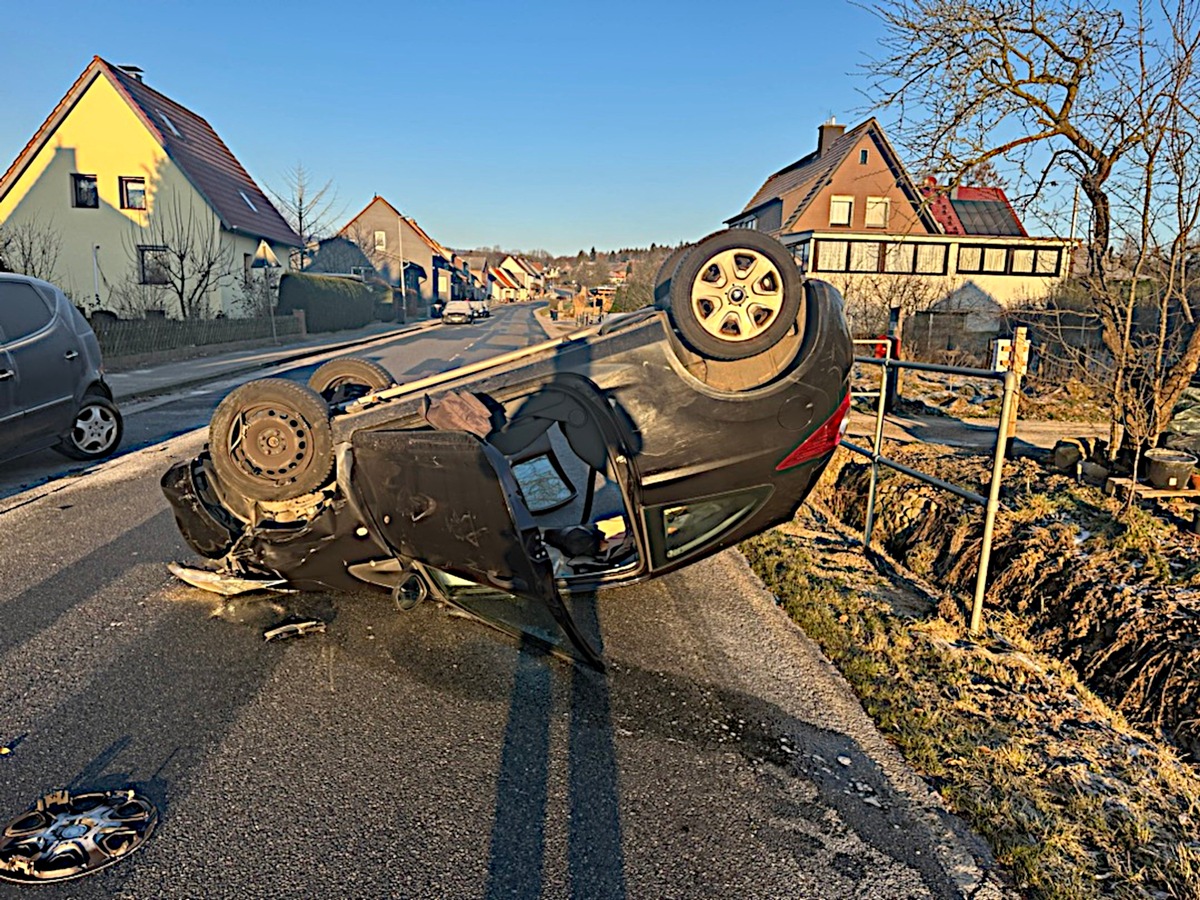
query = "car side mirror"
x=409 y=591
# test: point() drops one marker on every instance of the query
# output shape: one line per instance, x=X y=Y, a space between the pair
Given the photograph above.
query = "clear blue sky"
x=530 y=125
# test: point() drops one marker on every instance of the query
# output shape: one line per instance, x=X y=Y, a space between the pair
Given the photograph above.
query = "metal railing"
x=991 y=503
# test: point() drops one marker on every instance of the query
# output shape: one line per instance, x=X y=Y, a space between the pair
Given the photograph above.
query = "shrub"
x=329 y=304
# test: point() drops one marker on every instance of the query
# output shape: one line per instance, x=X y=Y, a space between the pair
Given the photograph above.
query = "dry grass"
x=1070 y=796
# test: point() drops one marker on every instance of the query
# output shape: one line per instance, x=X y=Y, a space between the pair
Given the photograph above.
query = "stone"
x=1068 y=454
x=1094 y=473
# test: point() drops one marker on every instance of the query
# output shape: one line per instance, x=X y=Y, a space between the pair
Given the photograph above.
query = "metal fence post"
x=993 y=502
x=885 y=373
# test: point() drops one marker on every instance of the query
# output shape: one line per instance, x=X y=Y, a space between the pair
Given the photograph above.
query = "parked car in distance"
x=481 y=309
x=52 y=388
x=601 y=458
x=458 y=312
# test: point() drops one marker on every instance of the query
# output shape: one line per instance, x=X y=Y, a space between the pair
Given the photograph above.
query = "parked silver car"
x=52 y=388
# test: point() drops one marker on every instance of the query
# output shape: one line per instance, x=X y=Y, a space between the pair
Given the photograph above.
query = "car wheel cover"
x=270 y=442
x=95 y=429
x=68 y=835
x=737 y=295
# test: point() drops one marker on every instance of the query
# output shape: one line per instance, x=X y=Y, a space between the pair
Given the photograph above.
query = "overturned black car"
x=609 y=456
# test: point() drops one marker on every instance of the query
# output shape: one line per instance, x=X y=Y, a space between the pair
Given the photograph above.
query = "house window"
x=831 y=256
x=1047 y=262
x=249 y=202
x=153 y=267
x=931 y=259
x=381 y=240
x=841 y=208
x=898 y=259
x=247 y=261
x=862 y=157
x=877 y=212
x=133 y=193
x=1022 y=260
x=864 y=256
x=83 y=192
x=750 y=223
x=167 y=121
x=995 y=260
x=970 y=259
x=1035 y=261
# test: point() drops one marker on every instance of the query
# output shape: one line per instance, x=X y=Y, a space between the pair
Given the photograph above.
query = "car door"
x=9 y=414
x=44 y=356
x=450 y=501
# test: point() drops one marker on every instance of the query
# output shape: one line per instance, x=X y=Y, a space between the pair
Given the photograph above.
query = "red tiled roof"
x=504 y=278
x=189 y=141
x=973 y=210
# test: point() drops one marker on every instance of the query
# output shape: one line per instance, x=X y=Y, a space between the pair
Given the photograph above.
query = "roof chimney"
x=132 y=71
x=827 y=134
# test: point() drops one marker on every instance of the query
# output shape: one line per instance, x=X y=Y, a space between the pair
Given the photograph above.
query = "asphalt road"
x=425 y=755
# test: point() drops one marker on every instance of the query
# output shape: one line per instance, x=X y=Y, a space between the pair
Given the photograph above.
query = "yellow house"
x=150 y=210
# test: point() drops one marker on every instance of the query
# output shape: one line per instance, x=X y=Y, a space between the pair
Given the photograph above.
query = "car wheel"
x=96 y=431
x=349 y=378
x=662 y=279
x=736 y=294
x=270 y=440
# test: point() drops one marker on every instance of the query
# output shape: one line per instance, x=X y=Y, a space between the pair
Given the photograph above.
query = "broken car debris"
x=614 y=455
x=68 y=835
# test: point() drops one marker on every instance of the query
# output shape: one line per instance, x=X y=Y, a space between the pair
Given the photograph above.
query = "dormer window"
x=171 y=125
x=249 y=202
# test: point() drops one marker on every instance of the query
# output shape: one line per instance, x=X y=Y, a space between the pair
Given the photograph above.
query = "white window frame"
x=841 y=200
x=381 y=240
x=873 y=207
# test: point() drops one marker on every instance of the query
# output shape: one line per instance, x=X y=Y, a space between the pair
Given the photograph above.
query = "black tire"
x=662 y=279
x=96 y=431
x=349 y=378
x=736 y=294
x=270 y=440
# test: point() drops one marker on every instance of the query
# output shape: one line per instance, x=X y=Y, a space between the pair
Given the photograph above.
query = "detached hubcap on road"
x=738 y=295
x=68 y=835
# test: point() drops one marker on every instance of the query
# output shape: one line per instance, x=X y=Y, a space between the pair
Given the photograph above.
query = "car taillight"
x=821 y=441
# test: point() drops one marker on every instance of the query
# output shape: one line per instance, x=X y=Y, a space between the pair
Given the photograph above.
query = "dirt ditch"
x=1117 y=597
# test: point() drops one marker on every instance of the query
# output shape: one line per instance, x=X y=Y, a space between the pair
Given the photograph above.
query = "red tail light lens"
x=821 y=441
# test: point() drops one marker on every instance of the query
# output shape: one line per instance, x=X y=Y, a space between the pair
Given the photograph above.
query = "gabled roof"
x=438 y=249
x=973 y=210
x=504 y=278
x=810 y=174
x=189 y=141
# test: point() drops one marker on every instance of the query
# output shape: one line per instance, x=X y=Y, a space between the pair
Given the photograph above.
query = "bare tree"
x=310 y=210
x=177 y=258
x=1074 y=88
x=31 y=247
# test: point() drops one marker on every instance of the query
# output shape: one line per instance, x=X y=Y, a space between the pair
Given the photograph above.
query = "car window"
x=684 y=527
x=22 y=310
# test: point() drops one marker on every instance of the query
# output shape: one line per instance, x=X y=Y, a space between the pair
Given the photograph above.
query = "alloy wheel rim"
x=95 y=429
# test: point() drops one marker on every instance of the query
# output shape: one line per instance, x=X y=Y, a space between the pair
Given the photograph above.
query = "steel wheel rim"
x=737 y=295
x=270 y=442
x=95 y=429
x=66 y=836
